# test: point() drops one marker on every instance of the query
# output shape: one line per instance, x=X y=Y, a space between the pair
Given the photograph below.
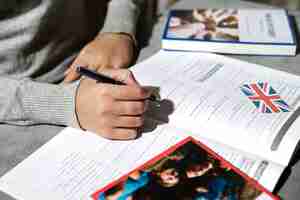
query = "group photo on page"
x=189 y=171
x=149 y=100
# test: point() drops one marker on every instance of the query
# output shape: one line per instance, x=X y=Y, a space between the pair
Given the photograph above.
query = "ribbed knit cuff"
x=121 y=16
x=55 y=104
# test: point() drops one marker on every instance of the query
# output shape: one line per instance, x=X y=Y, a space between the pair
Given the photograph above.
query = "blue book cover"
x=232 y=31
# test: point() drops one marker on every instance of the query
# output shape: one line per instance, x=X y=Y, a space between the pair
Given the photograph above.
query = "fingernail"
x=67 y=71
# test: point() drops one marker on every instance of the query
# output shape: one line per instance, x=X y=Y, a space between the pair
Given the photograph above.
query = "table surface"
x=17 y=143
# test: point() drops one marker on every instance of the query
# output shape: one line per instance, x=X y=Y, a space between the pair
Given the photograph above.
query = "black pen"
x=104 y=79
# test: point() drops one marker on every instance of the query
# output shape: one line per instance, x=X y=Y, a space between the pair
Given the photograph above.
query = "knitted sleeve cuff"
x=51 y=104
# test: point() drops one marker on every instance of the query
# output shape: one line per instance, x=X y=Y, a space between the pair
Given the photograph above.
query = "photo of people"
x=189 y=172
x=204 y=24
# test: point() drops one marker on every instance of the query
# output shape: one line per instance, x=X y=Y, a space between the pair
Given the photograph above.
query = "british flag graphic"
x=265 y=98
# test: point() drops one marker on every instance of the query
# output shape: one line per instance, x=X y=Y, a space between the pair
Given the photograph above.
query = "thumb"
x=71 y=74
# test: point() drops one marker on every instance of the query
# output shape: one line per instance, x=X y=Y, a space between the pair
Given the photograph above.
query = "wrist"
x=131 y=37
x=134 y=43
x=77 y=123
x=128 y=36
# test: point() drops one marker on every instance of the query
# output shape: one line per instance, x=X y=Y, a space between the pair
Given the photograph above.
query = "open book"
x=244 y=112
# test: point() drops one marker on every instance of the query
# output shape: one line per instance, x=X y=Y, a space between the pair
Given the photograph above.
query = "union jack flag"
x=265 y=98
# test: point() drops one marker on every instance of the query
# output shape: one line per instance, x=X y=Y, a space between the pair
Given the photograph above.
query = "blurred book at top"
x=289 y=4
x=230 y=31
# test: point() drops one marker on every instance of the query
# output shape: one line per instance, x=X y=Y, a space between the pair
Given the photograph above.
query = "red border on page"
x=173 y=148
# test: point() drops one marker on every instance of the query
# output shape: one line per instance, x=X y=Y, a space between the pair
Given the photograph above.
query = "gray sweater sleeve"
x=122 y=16
x=25 y=102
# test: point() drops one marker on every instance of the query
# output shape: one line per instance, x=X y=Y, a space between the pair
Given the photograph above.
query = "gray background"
x=17 y=143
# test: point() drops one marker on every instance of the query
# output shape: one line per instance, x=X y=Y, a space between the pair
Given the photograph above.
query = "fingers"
x=129 y=121
x=71 y=74
x=124 y=92
x=122 y=134
x=122 y=119
x=120 y=127
x=132 y=108
x=67 y=71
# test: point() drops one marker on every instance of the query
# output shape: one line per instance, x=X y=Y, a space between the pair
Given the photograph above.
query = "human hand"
x=112 y=111
x=108 y=50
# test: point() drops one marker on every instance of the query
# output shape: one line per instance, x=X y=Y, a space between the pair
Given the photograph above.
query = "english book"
x=245 y=113
x=231 y=31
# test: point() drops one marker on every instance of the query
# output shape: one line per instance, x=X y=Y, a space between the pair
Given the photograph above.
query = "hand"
x=108 y=50
x=112 y=111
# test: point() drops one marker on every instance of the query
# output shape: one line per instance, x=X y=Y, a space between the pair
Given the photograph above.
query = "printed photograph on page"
x=187 y=171
x=204 y=24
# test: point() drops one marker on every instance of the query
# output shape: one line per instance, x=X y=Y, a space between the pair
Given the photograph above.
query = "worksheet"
x=233 y=102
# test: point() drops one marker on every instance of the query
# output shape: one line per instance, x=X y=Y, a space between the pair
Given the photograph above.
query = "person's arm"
x=111 y=111
x=122 y=16
x=115 y=45
x=26 y=102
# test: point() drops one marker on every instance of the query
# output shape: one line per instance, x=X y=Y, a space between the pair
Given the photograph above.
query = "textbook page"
x=74 y=164
x=206 y=91
x=266 y=172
